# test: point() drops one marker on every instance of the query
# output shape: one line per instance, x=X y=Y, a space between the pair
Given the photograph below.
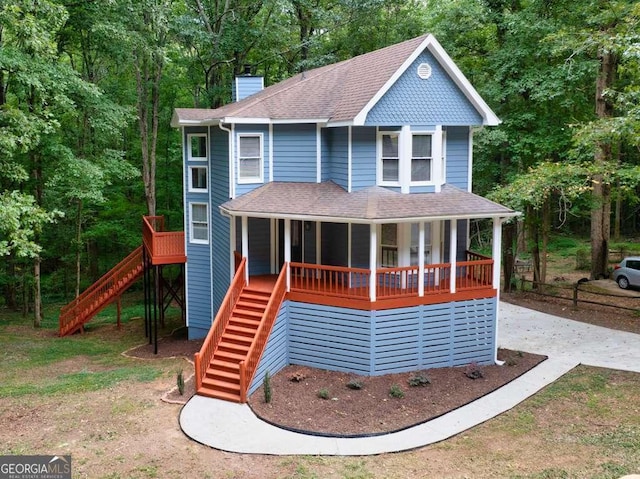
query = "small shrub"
x=396 y=391
x=180 y=382
x=473 y=371
x=419 y=380
x=583 y=258
x=297 y=377
x=355 y=384
x=511 y=361
x=323 y=393
x=267 y=387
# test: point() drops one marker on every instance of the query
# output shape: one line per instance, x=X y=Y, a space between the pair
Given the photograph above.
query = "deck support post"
x=453 y=252
x=287 y=250
x=245 y=245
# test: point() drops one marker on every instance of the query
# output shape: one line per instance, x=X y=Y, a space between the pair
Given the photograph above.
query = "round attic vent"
x=424 y=70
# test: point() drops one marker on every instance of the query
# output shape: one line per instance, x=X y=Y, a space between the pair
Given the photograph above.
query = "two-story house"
x=326 y=222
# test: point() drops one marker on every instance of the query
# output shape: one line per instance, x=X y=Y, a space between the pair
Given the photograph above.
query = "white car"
x=627 y=273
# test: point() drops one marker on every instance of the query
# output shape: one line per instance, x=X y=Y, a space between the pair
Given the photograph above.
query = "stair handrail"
x=203 y=357
x=249 y=365
x=71 y=314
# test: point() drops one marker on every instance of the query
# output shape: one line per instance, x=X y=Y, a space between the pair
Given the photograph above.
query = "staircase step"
x=244 y=322
x=222 y=365
x=241 y=331
x=256 y=296
x=251 y=305
x=233 y=347
x=220 y=374
x=224 y=386
x=229 y=356
x=228 y=336
x=247 y=313
x=219 y=395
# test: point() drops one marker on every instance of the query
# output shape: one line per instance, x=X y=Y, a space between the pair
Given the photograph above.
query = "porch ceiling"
x=329 y=202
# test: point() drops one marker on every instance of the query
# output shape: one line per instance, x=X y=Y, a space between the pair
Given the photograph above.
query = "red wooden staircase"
x=99 y=295
x=231 y=351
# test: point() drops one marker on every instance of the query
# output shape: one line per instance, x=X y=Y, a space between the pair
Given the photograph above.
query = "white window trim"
x=193 y=189
x=431 y=181
x=255 y=179
x=190 y=157
x=191 y=238
x=379 y=172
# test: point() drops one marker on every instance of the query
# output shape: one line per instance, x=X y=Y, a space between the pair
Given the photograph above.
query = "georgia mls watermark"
x=35 y=467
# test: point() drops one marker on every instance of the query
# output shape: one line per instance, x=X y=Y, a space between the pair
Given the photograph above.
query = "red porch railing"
x=164 y=247
x=203 y=357
x=336 y=281
x=250 y=363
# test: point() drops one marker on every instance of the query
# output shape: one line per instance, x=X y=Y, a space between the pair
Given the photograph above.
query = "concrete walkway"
x=234 y=428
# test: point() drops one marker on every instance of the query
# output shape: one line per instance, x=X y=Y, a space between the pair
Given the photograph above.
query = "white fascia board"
x=181 y=123
x=430 y=43
x=337 y=124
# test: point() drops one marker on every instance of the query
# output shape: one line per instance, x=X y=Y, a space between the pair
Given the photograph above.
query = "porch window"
x=390 y=157
x=421 y=156
x=199 y=223
x=198 y=179
x=250 y=158
x=389 y=245
x=197 y=147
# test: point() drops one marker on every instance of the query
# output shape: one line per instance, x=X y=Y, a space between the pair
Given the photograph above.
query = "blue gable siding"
x=246 y=85
x=457 y=149
x=335 y=165
x=221 y=228
x=198 y=267
x=294 y=153
x=363 y=157
x=412 y=100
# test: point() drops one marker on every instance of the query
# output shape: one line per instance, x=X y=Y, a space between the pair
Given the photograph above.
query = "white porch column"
x=373 y=250
x=495 y=253
x=287 y=249
x=453 y=247
x=232 y=247
x=421 y=258
x=245 y=244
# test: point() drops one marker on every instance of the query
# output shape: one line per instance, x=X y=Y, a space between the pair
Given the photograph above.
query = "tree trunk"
x=601 y=192
x=37 y=301
x=78 y=245
x=546 y=227
x=509 y=243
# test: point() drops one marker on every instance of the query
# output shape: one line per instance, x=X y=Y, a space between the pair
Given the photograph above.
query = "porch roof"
x=329 y=202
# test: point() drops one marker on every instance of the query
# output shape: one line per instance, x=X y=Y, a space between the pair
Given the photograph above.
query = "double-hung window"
x=197 y=145
x=390 y=158
x=199 y=223
x=421 y=158
x=250 y=165
x=198 y=179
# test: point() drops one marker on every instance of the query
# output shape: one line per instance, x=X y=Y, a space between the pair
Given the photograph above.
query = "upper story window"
x=250 y=165
x=198 y=179
x=390 y=158
x=197 y=144
x=199 y=223
x=421 y=156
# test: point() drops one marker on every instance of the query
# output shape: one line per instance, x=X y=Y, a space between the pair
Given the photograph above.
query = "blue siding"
x=457 y=149
x=276 y=355
x=294 y=153
x=412 y=100
x=335 y=166
x=244 y=86
x=255 y=129
x=198 y=267
x=221 y=228
x=363 y=157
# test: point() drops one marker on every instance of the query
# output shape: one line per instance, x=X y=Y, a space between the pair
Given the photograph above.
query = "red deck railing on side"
x=164 y=247
x=203 y=357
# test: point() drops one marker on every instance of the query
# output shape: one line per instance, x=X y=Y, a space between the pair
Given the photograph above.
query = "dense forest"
x=87 y=90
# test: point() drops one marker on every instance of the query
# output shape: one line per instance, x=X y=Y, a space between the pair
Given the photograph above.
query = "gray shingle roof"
x=328 y=201
x=337 y=92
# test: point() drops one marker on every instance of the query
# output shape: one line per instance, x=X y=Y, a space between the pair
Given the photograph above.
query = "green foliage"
x=473 y=371
x=355 y=384
x=395 y=391
x=418 y=380
x=323 y=393
x=266 y=386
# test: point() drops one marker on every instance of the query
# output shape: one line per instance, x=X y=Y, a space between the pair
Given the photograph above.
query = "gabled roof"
x=329 y=202
x=341 y=93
